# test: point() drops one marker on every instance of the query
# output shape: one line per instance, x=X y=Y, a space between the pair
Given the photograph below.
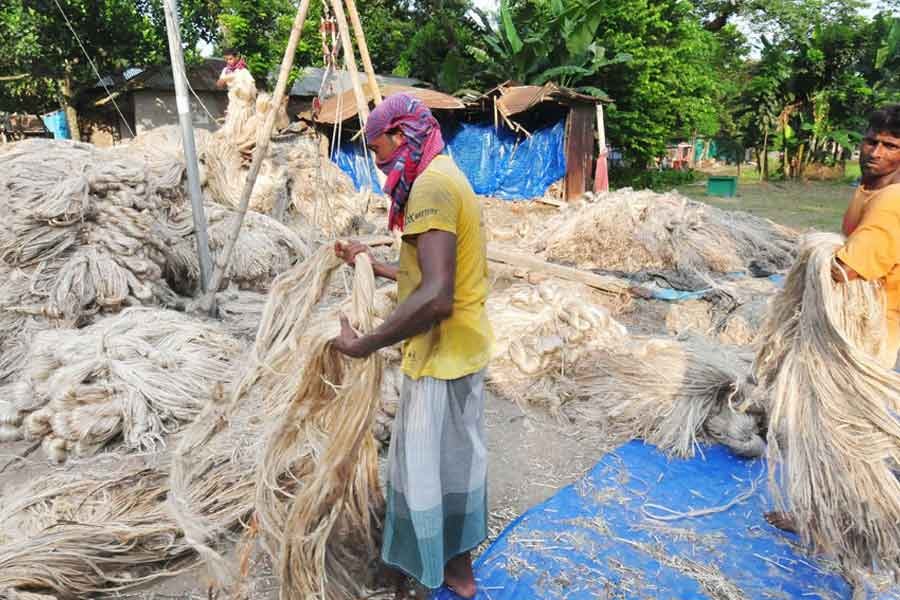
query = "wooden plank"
x=604 y=283
x=552 y=202
x=579 y=149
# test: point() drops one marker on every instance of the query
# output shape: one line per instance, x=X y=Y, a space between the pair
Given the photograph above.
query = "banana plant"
x=547 y=41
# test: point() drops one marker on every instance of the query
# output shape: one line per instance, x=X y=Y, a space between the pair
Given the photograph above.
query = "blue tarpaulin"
x=353 y=160
x=58 y=125
x=497 y=162
x=505 y=165
x=597 y=538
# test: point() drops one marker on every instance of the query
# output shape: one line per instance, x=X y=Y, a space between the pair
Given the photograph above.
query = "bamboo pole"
x=604 y=283
x=259 y=152
x=362 y=103
x=364 y=51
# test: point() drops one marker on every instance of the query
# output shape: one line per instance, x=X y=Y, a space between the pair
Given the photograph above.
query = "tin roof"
x=330 y=114
x=512 y=99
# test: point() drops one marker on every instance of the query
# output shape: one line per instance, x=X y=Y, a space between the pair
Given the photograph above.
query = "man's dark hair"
x=886 y=120
x=230 y=52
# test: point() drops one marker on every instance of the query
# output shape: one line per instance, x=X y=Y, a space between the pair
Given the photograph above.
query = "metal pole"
x=262 y=145
x=364 y=50
x=187 y=136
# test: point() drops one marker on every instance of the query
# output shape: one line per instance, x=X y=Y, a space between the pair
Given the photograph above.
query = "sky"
x=487 y=4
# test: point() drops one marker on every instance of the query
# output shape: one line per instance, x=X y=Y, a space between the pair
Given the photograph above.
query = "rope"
x=93 y=66
x=203 y=106
x=330 y=46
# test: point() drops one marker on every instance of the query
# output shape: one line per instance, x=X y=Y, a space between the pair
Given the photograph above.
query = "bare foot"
x=459 y=577
x=783 y=521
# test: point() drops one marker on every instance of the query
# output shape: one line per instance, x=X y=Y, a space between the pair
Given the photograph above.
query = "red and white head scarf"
x=422 y=142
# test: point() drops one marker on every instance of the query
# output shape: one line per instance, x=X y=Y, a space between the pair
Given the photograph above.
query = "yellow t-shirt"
x=441 y=198
x=873 y=247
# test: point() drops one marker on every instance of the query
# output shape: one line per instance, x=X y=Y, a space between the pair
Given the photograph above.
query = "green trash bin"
x=721 y=185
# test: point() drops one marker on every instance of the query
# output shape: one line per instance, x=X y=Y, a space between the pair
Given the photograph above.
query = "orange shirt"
x=872 y=227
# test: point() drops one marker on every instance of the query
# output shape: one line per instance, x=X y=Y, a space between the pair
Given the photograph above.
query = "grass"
x=816 y=204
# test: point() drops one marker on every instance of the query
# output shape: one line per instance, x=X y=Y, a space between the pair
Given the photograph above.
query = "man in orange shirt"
x=872 y=221
x=872 y=227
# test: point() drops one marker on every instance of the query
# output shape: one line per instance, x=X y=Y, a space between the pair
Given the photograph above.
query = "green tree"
x=425 y=39
x=886 y=29
x=260 y=30
x=816 y=80
x=661 y=68
x=44 y=66
x=435 y=43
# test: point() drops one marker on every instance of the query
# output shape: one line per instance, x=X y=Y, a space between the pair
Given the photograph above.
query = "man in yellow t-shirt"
x=872 y=221
x=437 y=461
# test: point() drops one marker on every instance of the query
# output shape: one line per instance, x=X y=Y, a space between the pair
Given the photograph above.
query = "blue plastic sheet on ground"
x=57 y=124
x=497 y=162
x=594 y=539
x=672 y=295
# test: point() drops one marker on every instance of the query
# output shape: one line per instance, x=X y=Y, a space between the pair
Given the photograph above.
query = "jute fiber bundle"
x=265 y=248
x=80 y=238
x=540 y=332
x=834 y=434
x=136 y=376
x=341 y=214
x=670 y=393
x=16 y=327
x=226 y=175
x=312 y=175
x=225 y=155
x=107 y=531
x=90 y=232
x=255 y=124
x=638 y=232
x=241 y=105
x=324 y=197
x=516 y=223
x=317 y=495
x=113 y=531
x=161 y=148
x=81 y=222
x=296 y=175
x=240 y=311
x=323 y=458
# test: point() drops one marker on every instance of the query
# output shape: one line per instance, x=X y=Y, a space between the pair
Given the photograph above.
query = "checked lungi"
x=437 y=476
